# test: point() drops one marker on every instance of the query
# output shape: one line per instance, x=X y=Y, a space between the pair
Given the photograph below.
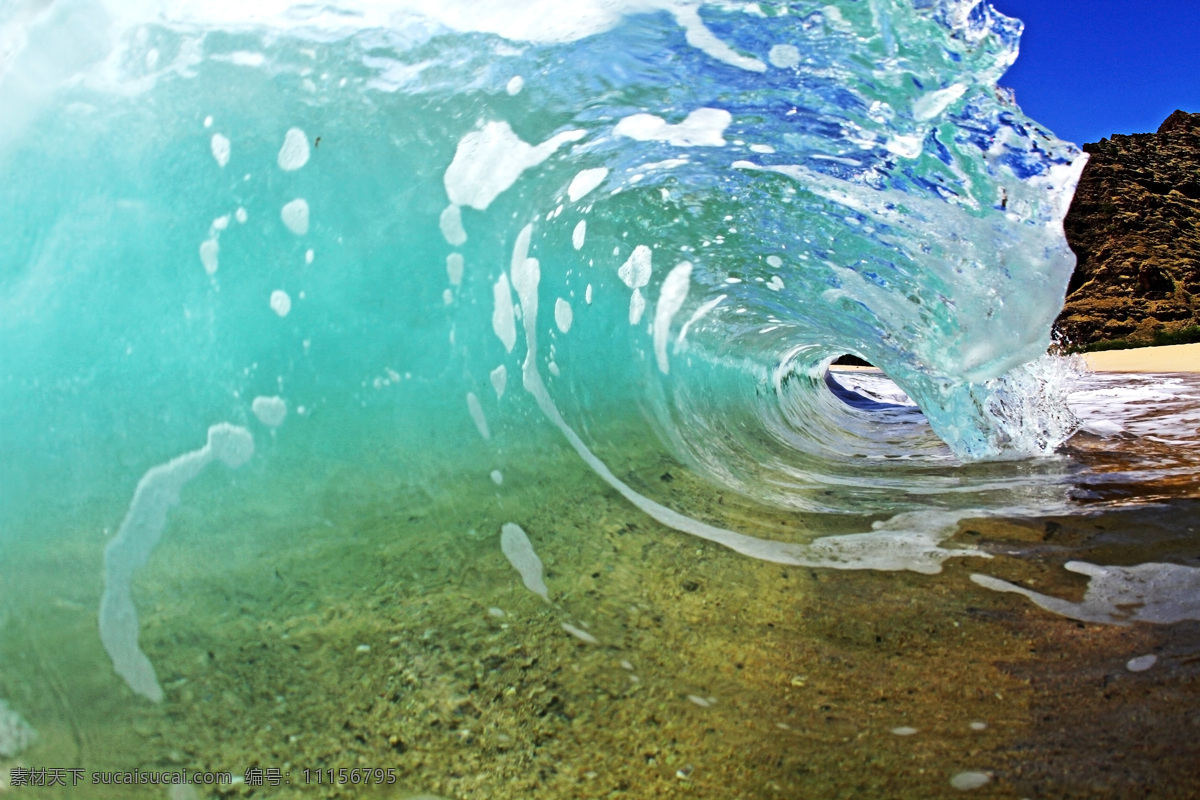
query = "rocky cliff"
x=1135 y=226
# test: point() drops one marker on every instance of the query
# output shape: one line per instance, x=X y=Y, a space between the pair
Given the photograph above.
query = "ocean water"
x=436 y=400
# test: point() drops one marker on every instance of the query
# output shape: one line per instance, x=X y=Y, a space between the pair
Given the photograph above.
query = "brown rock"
x=1180 y=121
x=1134 y=225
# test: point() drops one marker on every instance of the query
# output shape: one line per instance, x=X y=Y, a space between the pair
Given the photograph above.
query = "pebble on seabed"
x=904 y=730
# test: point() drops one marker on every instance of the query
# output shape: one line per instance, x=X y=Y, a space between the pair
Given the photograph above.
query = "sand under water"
x=341 y=616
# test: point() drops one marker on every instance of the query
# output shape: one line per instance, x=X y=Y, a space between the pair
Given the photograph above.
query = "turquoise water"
x=300 y=306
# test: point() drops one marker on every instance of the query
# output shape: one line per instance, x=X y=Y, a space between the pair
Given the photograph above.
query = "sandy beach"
x=1171 y=358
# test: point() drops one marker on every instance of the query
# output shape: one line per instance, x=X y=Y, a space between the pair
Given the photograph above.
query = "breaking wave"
x=396 y=224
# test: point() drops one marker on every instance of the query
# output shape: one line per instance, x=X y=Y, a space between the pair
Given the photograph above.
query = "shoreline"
x=1164 y=358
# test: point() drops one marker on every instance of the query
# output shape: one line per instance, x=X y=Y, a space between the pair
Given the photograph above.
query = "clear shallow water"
x=300 y=308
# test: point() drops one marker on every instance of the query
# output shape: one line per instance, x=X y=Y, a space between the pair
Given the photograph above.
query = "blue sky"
x=1091 y=68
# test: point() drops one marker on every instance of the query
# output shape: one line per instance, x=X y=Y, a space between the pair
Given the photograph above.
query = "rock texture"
x=1135 y=226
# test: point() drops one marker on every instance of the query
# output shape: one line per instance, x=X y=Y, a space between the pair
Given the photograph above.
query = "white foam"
x=700 y=37
x=1152 y=592
x=519 y=551
x=579 y=633
x=784 y=56
x=1141 y=663
x=563 y=316
x=232 y=445
x=635 y=272
x=930 y=105
x=1163 y=406
x=295 y=216
x=452 y=227
x=220 y=223
x=497 y=477
x=294 y=153
x=243 y=58
x=476 y=411
x=669 y=163
x=965 y=781
x=698 y=315
x=584 y=182
x=489 y=161
x=587 y=294
x=515 y=84
x=308 y=256
x=577 y=235
x=775 y=261
x=209 y=249
x=503 y=319
x=526 y=273
x=670 y=299
x=543 y=21
x=637 y=306
x=220 y=149
x=270 y=411
x=281 y=304
x=701 y=128
x=904 y=146
x=1102 y=427
x=775 y=284
x=157 y=492
x=335 y=20
x=454 y=268
x=499 y=378
x=241 y=215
